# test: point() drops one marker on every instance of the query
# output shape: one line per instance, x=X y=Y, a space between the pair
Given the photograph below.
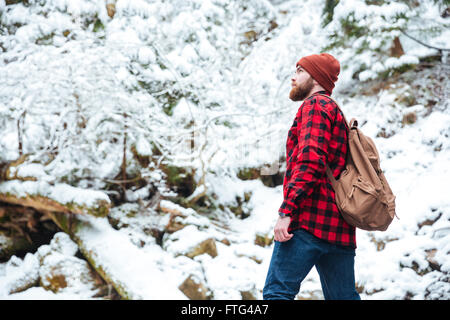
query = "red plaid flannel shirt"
x=317 y=136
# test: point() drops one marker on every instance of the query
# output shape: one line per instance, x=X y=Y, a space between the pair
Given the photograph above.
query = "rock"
x=60 y=271
x=431 y=220
x=263 y=240
x=172 y=208
x=249 y=174
x=248 y=295
x=207 y=246
x=194 y=289
x=155 y=233
x=270 y=175
x=409 y=118
x=273 y=25
x=62 y=243
x=173 y=225
x=254 y=258
x=310 y=295
x=406 y=98
x=251 y=36
x=434 y=265
x=385 y=133
x=242 y=209
x=111 y=9
x=190 y=242
x=21 y=275
x=438 y=289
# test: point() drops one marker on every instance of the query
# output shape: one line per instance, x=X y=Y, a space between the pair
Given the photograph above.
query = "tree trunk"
x=396 y=49
x=73 y=225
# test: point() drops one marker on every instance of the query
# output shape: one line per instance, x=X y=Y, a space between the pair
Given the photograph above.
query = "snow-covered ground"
x=411 y=260
x=396 y=269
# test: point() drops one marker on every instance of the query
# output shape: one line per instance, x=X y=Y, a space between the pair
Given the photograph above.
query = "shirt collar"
x=320 y=92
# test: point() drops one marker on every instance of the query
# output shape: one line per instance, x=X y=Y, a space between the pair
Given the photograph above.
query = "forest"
x=142 y=142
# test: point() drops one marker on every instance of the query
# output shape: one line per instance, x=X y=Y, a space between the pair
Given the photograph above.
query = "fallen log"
x=133 y=273
x=73 y=226
x=45 y=197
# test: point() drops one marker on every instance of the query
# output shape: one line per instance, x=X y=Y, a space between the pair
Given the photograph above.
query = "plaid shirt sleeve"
x=313 y=137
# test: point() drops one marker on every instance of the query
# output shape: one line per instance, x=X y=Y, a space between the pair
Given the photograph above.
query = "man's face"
x=302 y=84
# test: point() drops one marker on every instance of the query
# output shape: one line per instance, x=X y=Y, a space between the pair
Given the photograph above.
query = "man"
x=310 y=230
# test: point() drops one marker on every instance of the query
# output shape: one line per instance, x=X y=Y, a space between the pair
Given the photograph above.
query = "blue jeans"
x=292 y=260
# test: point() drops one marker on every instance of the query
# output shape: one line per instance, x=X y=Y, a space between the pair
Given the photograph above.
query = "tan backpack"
x=362 y=192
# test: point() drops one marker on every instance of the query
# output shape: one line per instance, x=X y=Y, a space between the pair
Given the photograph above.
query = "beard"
x=300 y=92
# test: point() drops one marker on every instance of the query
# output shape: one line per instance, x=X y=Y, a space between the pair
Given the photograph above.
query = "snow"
x=78 y=95
x=393 y=62
x=136 y=270
x=19 y=273
x=143 y=147
x=60 y=192
x=190 y=237
x=75 y=271
x=62 y=243
x=39 y=293
x=35 y=170
x=146 y=56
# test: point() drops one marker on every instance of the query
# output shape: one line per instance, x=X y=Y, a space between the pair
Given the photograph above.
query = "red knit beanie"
x=324 y=68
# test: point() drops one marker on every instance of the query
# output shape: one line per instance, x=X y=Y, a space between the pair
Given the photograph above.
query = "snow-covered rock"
x=19 y=275
x=60 y=272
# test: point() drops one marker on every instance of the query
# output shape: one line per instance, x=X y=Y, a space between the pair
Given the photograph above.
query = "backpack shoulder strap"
x=353 y=122
x=350 y=125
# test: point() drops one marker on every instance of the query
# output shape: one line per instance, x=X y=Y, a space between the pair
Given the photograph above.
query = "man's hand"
x=281 y=229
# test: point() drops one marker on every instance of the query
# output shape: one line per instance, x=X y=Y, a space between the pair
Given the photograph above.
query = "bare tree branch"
x=422 y=43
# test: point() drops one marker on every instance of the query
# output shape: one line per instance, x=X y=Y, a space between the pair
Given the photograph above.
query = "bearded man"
x=310 y=231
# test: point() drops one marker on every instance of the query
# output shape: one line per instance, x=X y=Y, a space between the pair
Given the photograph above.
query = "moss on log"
x=72 y=225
